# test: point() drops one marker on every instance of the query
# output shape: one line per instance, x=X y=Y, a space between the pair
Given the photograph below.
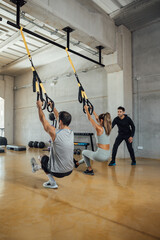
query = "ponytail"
x=107 y=123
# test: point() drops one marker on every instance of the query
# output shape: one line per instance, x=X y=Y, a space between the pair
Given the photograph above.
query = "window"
x=1 y=117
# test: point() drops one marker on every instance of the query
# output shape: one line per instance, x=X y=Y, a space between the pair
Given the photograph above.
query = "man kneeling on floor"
x=60 y=161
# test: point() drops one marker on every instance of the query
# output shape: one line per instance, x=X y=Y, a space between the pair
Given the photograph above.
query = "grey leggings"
x=100 y=155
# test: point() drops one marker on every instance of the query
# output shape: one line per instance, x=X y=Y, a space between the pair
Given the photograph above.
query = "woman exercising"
x=103 y=128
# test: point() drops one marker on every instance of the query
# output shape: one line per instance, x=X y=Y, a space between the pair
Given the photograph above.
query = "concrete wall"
x=6 y=92
x=1 y=112
x=27 y=125
x=146 y=82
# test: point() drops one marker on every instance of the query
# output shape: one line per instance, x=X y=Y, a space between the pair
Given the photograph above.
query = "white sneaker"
x=39 y=158
x=50 y=185
x=35 y=166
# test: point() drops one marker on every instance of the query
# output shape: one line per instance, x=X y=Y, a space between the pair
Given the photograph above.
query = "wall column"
x=6 y=92
x=119 y=75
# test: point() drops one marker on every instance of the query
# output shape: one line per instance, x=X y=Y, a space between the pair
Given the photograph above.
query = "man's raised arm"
x=47 y=127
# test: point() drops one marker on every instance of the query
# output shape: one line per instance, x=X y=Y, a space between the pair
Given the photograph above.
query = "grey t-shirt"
x=61 y=152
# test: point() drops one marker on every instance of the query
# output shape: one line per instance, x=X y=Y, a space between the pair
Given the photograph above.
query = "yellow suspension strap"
x=30 y=59
x=37 y=83
x=82 y=97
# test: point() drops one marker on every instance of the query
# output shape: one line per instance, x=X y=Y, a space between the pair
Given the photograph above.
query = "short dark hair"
x=65 y=117
x=121 y=108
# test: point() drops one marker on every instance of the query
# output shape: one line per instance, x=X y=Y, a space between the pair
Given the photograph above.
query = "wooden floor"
x=118 y=203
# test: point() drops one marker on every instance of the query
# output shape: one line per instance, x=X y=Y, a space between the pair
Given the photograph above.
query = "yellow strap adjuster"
x=33 y=69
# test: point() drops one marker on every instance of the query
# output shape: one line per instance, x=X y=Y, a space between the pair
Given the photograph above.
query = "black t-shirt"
x=125 y=126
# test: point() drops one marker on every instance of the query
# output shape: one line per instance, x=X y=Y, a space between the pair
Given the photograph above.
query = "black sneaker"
x=112 y=163
x=133 y=163
x=88 y=172
x=75 y=163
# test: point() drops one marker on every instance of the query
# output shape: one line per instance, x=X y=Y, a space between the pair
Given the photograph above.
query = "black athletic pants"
x=44 y=166
x=118 y=141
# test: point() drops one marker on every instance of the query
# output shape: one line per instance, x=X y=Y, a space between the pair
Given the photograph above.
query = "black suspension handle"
x=38 y=95
x=90 y=107
x=50 y=104
x=43 y=104
x=42 y=100
x=80 y=98
x=89 y=104
x=39 y=90
x=84 y=103
x=35 y=75
x=34 y=81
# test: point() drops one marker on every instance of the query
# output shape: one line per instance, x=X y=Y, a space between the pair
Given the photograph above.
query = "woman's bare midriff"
x=104 y=146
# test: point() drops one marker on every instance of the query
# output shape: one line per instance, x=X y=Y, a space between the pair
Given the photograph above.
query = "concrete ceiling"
x=111 y=6
x=12 y=48
x=138 y=14
x=13 y=57
x=133 y=14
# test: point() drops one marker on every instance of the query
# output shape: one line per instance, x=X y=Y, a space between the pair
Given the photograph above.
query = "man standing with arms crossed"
x=126 y=130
